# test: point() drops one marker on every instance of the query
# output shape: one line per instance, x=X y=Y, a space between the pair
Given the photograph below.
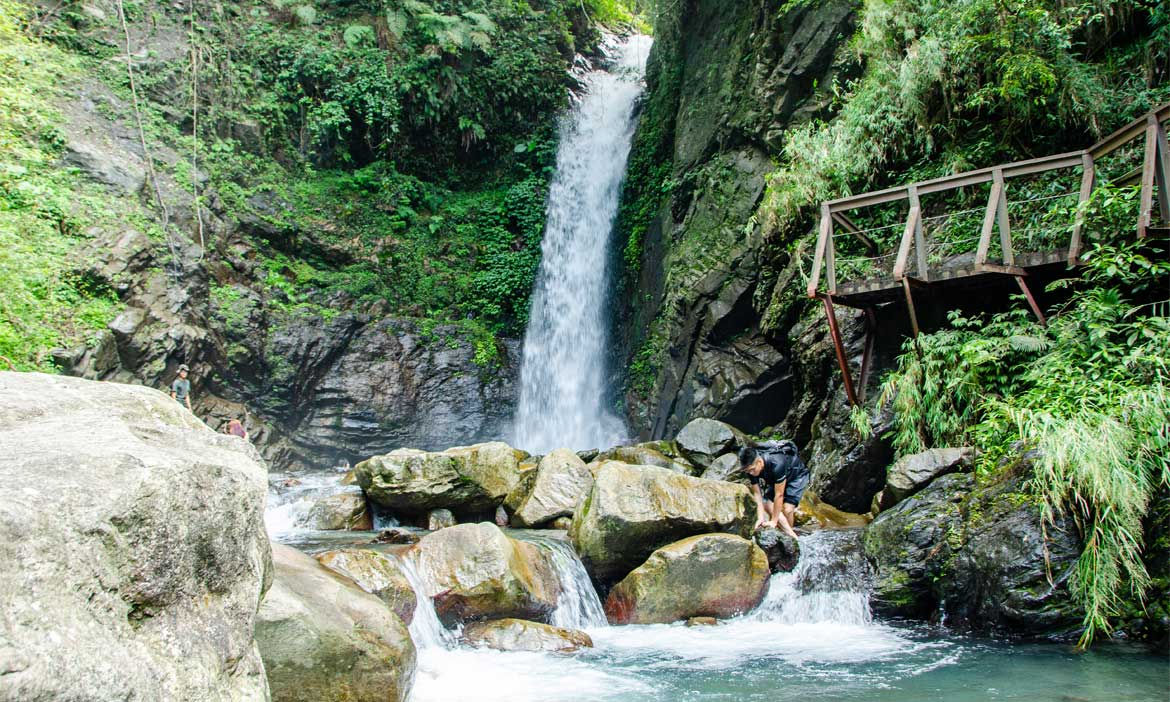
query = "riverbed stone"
x=711 y=575
x=476 y=572
x=440 y=519
x=523 y=635
x=133 y=544
x=633 y=510
x=726 y=467
x=703 y=440
x=782 y=550
x=909 y=474
x=468 y=480
x=377 y=574
x=551 y=491
x=324 y=638
x=646 y=456
x=344 y=511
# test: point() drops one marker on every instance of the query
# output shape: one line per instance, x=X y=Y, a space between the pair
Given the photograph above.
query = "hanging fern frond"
x=359 y=35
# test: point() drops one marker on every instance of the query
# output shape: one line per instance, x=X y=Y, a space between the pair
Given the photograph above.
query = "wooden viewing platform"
x=922 y=264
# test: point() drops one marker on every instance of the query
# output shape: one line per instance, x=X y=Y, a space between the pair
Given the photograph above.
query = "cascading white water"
x=562 y=380
x=578 y=606
x=425 y=628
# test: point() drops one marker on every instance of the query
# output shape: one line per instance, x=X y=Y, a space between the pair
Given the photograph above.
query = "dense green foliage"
x=366 y=151
x=1090 y=393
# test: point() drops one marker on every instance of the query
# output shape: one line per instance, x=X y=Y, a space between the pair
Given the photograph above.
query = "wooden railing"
x=910 y=263
x=910 y=258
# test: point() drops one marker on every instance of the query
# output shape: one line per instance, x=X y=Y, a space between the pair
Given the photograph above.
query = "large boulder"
x=978 y=554
x=712 y=575
x=324 y=638
x=909 y=474
x=377 y=574
x=133 y=544
x=633 y=510
x=553 y=490
x=644 y=455
x=704 y=440
x=475 y=572
x=522 y=635
x=468 y=480
x=911 y=544
x=344 y=511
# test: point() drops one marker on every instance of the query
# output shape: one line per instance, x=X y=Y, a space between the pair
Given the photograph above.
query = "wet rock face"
x=324 y=638
x=976 y=553
x=521 y=635
x=478 y=573
x=632 y=510
x=134 y=547
x=712 y=575
x=741 y=75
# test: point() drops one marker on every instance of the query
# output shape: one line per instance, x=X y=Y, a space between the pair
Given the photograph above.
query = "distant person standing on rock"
x=181 y=388
x=775 y=469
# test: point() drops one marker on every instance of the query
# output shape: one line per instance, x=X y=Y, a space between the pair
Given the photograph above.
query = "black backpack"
x=785 y=454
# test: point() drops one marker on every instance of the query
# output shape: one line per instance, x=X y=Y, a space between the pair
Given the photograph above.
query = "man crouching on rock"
x=772 y=470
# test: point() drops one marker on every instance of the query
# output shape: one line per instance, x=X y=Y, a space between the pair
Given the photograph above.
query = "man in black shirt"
x=772 y=472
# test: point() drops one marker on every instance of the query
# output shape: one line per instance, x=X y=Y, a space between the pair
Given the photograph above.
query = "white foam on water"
x=290 y=498
x=563 y=393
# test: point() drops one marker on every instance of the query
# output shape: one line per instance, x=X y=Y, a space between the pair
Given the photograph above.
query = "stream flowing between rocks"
x=812 y=637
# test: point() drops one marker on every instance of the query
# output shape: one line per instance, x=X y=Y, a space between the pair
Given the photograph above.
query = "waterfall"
x=425 y=628
x=830 y=583
x=578 y=606
x=563 y=396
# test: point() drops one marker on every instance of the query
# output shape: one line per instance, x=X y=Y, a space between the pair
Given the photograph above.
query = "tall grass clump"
x=1089 y=395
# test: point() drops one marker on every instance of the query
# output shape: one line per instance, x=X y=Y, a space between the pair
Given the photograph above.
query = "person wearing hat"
x=181 y=388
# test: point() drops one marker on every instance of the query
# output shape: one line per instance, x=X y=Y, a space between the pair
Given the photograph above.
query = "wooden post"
x=819 y=254
x=919 y=239
x=831 y=262
x=1005 y=230
x=1147 y=203
x=910 y=307
x=904 y=246
x=1088 y=180
x=1162 y=171
x=988 y=223
x=839 y=346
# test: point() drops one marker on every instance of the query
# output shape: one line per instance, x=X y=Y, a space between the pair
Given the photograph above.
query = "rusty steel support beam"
x=910 y=306
x=867 y=355
x=1031 y=300
x=839 y=346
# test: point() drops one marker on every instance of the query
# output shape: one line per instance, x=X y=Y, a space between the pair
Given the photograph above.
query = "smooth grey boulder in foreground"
x=553 y=490
x=633 y=510
x=324 y=638
x=133 y=544
x=910 y=474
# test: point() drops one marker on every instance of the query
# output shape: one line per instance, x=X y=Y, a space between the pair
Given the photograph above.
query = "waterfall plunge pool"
x=802 y=642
